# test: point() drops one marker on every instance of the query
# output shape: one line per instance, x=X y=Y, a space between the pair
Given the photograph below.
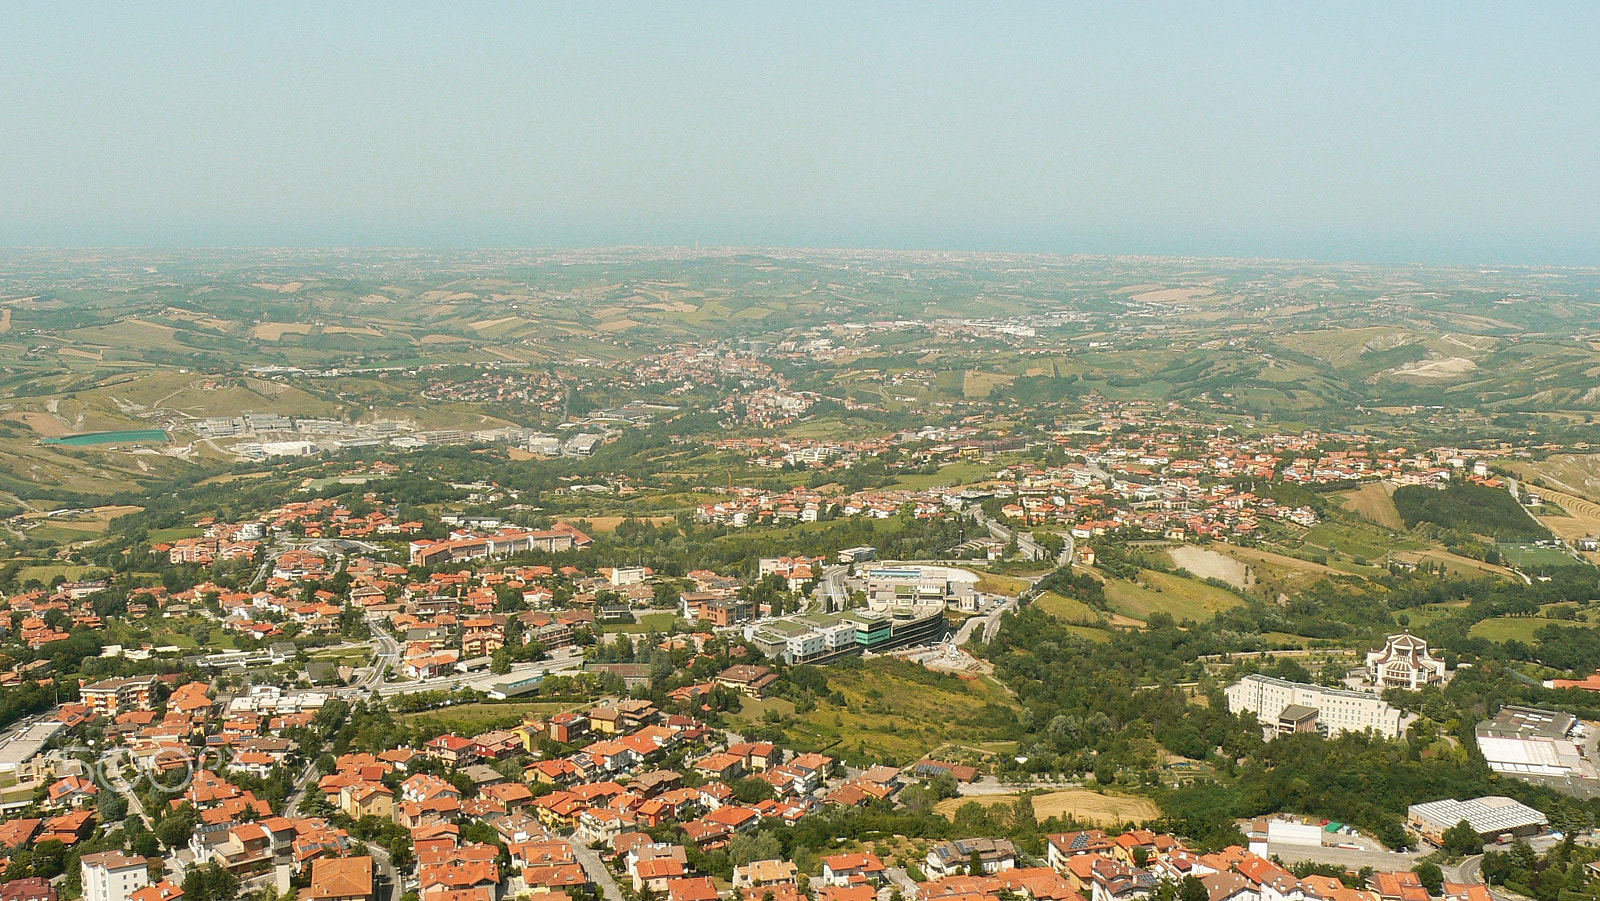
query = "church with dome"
x=1404 y=662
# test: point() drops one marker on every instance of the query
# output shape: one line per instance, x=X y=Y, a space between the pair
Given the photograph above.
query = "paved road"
x=298 y=793
x=386 y=653
x=991 y=620
x=1386 y=861
x=598 y=873
x=1026 y=546
x=832 y=585
x=261 y=574
x=386 y=872
x=1469 y=870
x=991 y=626
x=121 y=787
x=566 y=664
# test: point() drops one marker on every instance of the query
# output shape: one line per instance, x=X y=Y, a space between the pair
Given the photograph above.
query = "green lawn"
x=1516 y=628
x=1183 y=599
x=470 y=719
x=1068 y=609
x=47 y=571
x=648 y=622
x=948 y=474
x=894 y=711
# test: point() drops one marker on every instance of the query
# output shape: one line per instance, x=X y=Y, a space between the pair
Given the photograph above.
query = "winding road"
x=991 y=621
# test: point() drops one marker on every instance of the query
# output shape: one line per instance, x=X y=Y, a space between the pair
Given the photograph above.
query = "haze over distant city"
x=1445 y=133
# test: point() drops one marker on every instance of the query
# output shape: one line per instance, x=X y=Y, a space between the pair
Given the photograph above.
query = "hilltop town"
x=639 y=575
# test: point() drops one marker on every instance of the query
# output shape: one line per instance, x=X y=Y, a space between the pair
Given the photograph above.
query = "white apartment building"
x=806 y=645
x=836 y=634
x=1337 y=710
x=113 y=876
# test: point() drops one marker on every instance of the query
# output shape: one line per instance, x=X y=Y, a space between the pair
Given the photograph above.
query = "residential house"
x=340 y=879
x=853 y=869
x=953 y=857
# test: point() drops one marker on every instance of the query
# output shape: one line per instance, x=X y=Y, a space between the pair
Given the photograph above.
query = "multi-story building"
x=827 y=636
x=482 y=636
x=113 y=696
x=903 y=586
x=716 y=609
x=955 y=857
x=1335 y=710
x=754 y=681
x=113 y=876
x=467 y=546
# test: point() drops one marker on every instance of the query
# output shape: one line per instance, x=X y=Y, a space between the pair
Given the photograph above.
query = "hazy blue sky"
x=1392 y=131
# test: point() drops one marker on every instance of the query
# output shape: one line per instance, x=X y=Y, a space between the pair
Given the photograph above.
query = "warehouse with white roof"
x=1491 y=817
x=1529 y=742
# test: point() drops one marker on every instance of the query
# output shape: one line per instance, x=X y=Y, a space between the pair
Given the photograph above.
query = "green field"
x=470 y=719
x=894 y=711
x=1068 y=609
x=1356 y=539
x=60 y=533
x=948 y=474
x=1284 y=639
x=1428 y=615
x=159 y=631
x=1529 y=557
x=648 y=622
x=1183 y=599
x=1516 y=628
x=48 y=571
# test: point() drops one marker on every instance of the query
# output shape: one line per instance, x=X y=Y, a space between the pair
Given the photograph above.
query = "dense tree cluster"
x=1468 y=506
x=1562 y=874
x=1108 y=708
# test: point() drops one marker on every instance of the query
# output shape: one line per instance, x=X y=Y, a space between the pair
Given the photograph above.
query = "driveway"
x=898 y=879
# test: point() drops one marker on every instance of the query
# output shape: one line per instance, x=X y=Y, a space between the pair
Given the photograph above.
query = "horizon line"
x=723 y=249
